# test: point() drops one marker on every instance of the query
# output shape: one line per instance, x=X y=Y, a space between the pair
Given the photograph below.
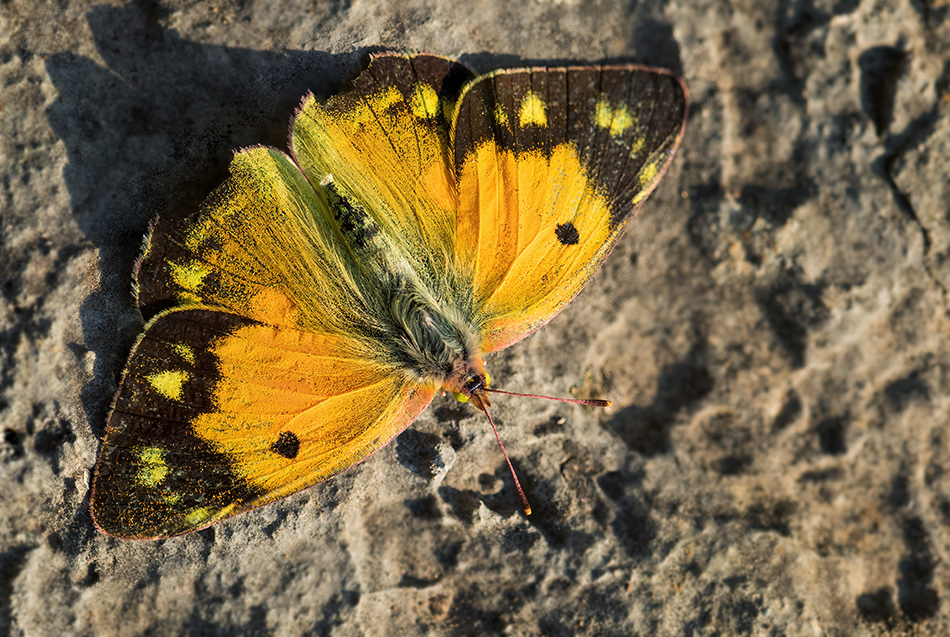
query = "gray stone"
x=772 y=330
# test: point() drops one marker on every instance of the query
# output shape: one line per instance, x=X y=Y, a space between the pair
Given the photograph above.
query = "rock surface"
x=772 y=331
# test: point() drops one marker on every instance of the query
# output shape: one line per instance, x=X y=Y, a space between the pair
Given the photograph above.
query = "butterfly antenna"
x=590 y=402
x=524 y=500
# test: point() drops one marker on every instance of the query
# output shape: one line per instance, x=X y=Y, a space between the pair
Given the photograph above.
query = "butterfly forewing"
x=550 y=165
x=218 y=414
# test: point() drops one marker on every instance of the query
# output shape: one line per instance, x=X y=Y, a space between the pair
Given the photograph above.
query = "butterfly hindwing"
x=218 y=414
x=145 y=483
x=384 y=146
x=551 y=163
x=264 y=246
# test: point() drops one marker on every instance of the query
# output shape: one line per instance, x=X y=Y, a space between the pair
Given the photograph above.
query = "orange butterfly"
x=315 y=305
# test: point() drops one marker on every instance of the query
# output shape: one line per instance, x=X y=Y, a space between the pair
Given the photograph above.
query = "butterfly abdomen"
x=357 y=227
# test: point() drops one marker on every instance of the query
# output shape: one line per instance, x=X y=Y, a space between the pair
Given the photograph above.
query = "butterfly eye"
x=473 y=384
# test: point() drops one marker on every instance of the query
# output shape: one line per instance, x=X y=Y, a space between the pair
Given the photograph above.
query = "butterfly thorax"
x=417 y=311
x=428 y=339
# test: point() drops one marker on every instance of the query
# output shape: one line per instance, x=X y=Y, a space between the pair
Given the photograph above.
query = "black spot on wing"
x=286 y=445
x=567 y=234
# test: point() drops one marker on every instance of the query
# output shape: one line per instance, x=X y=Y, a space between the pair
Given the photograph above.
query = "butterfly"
x=318 y=301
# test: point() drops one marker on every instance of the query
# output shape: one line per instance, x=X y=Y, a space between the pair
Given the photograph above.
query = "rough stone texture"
x=772 y=330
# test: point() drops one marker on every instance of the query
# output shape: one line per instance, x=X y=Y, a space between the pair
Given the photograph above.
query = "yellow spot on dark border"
x=501 y=117
x=152 y=467
x=618 y=119
x=637 y=147
x=189 y=276
x=602 y=113
x=647 y=178
x=197 y=516
x=186 y=352
x=168 y=383
x=621 y=122
x=532 y=111
x=425 y=102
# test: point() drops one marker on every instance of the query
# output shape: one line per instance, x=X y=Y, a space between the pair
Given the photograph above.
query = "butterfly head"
x=469 y=383
x=475 y=391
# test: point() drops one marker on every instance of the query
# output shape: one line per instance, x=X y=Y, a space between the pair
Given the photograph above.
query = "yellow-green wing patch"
x=264 y=246
x=384 y=146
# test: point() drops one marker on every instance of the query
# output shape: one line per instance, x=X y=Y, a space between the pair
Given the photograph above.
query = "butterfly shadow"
x=680 y=386
x=150 y=131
